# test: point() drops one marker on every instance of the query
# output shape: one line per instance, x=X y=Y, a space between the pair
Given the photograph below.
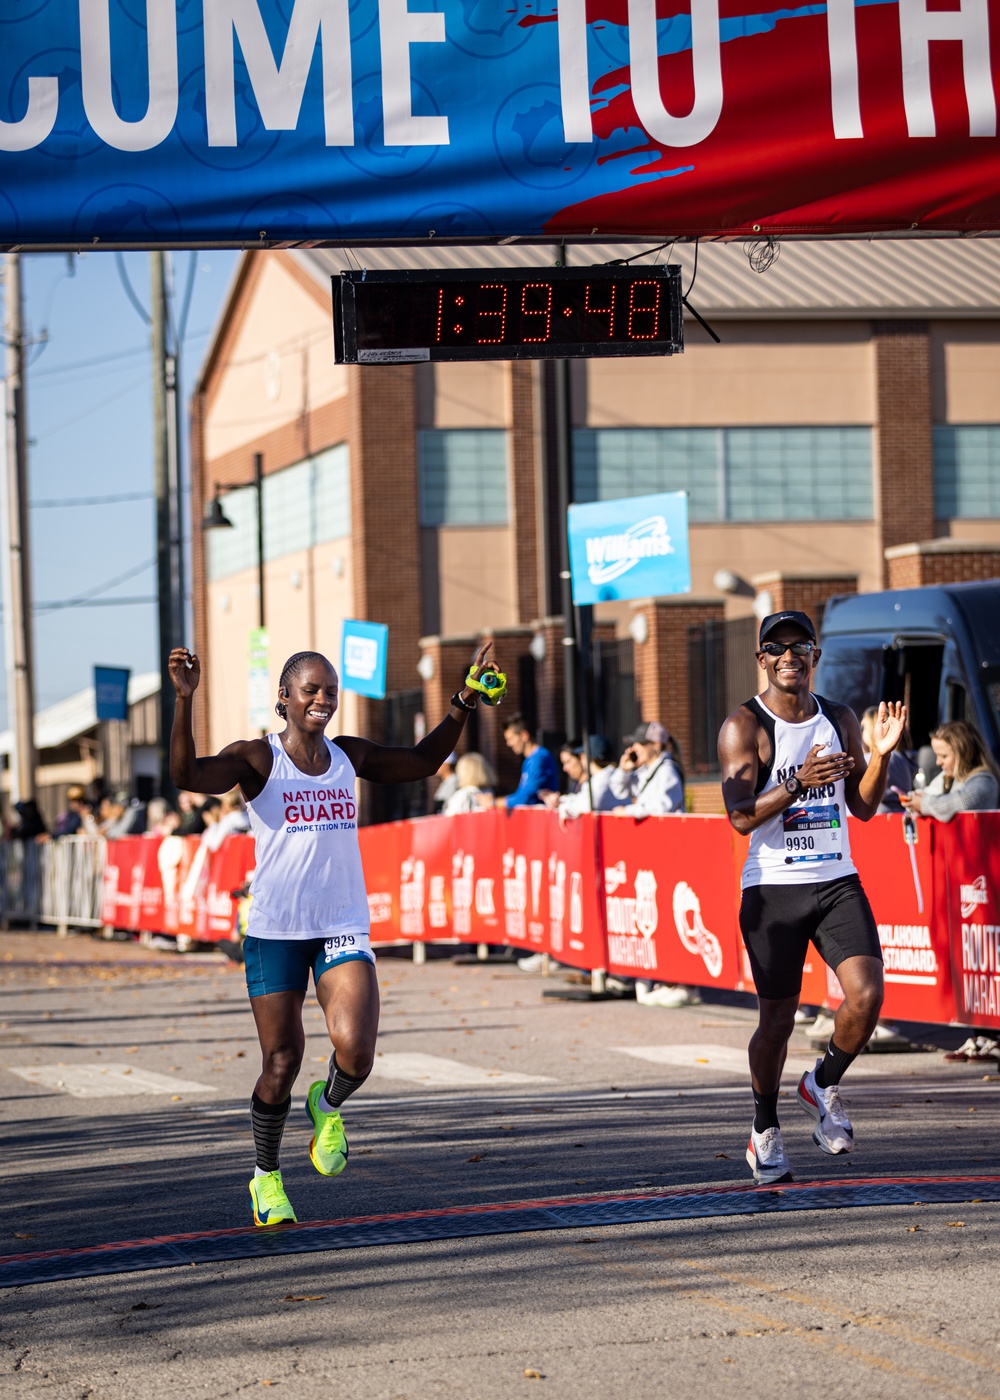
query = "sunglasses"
x=779 y=648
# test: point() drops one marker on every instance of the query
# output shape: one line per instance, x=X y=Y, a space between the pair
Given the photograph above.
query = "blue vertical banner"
x=636 y=547
x=111 y=691
x=363 y=653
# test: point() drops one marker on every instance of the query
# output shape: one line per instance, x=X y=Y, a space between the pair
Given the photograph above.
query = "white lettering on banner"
x=972 y=895
x=380 y=907
x=981 y=947
x=278 y=88
x=398 y=29
x=907 y=950
x=515 y=893
x=575 y=909
x=842 y=41
x=96 y=81
x=610 y=556
x=969 y=25
x=360 y=657
x=632 y=921
x=411 y=897
x=574 y=73
x=437 y=907
x=485 y=903
x=38 y=120
x=557 y=901
x=982 y=994
x=706 y=63
x=463 y=869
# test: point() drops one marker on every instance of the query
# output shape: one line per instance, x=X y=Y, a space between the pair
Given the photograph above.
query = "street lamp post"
x=215 y=518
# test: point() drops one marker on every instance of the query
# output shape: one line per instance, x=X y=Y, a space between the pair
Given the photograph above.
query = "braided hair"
x=291 y=668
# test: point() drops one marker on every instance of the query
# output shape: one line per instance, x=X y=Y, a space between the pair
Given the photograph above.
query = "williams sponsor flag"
x=130 y=122
x=636 y=547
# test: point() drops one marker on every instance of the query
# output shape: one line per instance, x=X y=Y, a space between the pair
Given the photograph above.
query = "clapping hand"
x=185 y=671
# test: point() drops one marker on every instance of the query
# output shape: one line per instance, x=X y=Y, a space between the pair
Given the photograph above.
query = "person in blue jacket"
x=539 y=770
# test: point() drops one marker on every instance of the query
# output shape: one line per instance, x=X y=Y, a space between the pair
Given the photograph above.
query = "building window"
x=463 y=476
x=304 y=505
x=732 y=473
x=967 y=470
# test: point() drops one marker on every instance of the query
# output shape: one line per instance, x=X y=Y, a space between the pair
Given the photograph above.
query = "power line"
x=92 y=500
x=96 y=591
x=94 y=603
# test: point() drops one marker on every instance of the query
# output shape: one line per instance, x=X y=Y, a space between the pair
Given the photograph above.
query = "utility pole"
x=564 y=481
x=17 y=612
x=169 y=578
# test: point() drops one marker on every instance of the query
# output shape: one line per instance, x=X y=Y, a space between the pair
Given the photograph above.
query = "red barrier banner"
x=668 y=891
x=968 y=863
x=657 y=898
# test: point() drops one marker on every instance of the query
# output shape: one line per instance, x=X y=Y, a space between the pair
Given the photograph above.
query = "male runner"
x=792 y=767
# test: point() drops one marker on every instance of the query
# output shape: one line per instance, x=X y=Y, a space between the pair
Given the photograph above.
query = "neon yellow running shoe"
x=328 y=1149
x=270 y=1204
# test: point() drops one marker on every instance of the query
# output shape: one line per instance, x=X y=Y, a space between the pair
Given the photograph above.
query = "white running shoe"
x=533 y=962
x=665 y=994
x=766 y=1157
x=822 y=1028
x=833 y=1132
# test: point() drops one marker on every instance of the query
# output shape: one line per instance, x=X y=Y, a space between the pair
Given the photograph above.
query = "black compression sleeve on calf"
x=833 y=1066
x=340 y=1085
x=765 y=1111
x=268 y=1123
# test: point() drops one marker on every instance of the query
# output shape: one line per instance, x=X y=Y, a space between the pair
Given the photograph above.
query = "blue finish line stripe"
x=560 y=1213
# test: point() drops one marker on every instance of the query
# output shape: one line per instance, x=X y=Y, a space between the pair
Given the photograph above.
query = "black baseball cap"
x=600 y=749
x=776 y=619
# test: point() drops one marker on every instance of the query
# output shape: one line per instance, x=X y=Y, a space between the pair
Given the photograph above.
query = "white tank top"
x=808 y=843
x=309 y=881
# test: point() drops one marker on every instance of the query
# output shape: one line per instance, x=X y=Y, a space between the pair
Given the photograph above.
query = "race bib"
x=813 y=832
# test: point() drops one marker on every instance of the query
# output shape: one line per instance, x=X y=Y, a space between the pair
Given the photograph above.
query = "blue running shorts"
x=282 y=964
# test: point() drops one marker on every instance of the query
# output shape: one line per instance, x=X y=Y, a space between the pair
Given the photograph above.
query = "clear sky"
x=90 y=426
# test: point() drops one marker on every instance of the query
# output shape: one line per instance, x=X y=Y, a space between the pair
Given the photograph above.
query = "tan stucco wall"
x=303 y=618
x=280 y=364
x=457 y=395
x=476 y=579
x=965 y=360
x=810 y=373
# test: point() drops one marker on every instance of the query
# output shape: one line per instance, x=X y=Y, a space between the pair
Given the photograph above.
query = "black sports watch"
x=794 y=787
x=460 y=704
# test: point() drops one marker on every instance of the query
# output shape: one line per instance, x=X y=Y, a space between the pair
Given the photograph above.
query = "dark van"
x=937 y=649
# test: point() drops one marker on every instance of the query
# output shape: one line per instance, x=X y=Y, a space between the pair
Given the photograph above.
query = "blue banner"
x=363 y=654
x=111 y=692
x=633 y=548
x=261 y=122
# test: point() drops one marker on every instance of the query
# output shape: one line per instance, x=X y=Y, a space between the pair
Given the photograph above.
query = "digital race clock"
x=385 y=318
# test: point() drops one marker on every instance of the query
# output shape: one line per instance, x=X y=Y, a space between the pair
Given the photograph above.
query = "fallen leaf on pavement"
x=23 y=1237
x=303 y=1297
x=912 y=1229
x=532 y=1375
x=725 y=1156
x=955 y=1224
x=476 y=1158
x=145 y=1307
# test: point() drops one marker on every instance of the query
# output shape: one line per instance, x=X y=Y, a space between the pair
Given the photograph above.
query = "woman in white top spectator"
x=967 y=781
x=648 y=780
x=573 y=759
x=476 y=780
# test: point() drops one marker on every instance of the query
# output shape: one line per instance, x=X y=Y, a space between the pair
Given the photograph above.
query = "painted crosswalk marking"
x=436 y=1071
x=727 y=1059
x=106 y=1081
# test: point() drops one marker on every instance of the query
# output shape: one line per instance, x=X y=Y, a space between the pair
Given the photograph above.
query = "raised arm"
x=380 y=763
x=245 y=764
x=865 y=787
x=739 y=760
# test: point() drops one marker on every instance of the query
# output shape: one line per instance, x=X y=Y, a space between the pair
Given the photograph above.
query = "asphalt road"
x=485 y=1092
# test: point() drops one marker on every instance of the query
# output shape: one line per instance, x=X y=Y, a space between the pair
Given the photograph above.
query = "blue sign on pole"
x=111 y=691
x=636 y=547
x=364 y=649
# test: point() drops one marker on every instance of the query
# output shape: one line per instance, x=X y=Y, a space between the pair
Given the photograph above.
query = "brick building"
x=845 y=434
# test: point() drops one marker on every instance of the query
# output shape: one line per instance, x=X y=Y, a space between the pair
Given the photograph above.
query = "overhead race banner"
x=257 y=122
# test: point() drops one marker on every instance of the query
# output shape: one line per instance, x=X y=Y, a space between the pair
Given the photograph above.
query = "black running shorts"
x=778 y=922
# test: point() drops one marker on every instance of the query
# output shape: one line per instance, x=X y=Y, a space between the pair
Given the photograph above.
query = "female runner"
x=309 y=908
